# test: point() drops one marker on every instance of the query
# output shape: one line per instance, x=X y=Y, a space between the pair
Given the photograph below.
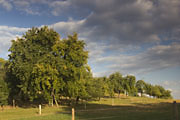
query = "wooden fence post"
x=39 y=109
x=14 y=103
x=73 y=117
x=85 y=106
x=175 y=111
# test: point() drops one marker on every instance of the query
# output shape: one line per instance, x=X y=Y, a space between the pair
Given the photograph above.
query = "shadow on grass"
x=136 y=111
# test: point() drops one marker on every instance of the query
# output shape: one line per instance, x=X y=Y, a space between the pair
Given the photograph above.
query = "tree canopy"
x=42 y=66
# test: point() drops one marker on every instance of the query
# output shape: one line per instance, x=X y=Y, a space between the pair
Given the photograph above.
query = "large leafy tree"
x=33 y=67
x=41 y=66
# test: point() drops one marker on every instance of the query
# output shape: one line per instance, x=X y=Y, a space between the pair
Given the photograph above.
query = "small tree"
x=117 y=82
x=140 y=85
x=155 y=91
x=97 y=88
x=130 y=82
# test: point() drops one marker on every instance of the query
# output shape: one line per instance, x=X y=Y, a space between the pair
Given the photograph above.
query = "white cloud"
x=7 y=34
x=68 y=27
x=5 y=4
x=12 y=29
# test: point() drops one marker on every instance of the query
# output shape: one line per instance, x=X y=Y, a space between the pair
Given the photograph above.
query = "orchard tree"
x=156 y=91
x=167 y=94
x=130 y=82
x=117 y=82
x=72 y=51
x=148 y=89
x=140 y=85
x=98 y=87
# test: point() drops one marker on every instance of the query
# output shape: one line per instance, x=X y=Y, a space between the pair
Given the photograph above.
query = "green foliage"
x=76 y=71
x=32 y=67
x=140 y=85
x=155 y=91
x=129 y=85
x=3 y=86
x=117 y=82
x=2 y=63
x=99 y=87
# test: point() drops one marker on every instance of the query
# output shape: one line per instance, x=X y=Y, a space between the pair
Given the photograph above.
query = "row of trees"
x=42 y=68
x=129 y=86
x=117 y=84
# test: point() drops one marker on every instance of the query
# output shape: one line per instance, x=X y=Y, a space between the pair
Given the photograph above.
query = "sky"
x=137 y=37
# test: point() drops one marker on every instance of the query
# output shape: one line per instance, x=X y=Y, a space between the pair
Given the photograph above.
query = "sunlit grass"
x=125 y=108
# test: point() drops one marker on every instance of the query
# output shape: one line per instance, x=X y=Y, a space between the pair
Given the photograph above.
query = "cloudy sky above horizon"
x=139 y=37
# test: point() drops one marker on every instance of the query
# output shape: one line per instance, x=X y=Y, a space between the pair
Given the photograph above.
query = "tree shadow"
x=136 y=111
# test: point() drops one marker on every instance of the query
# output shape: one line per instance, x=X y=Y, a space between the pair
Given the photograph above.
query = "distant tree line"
x=42 y=68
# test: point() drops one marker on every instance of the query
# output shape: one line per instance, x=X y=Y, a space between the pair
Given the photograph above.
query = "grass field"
x=126 y=108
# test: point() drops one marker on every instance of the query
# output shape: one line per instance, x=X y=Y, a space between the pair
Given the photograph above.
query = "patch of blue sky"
x=19 y=19
x=168 y=78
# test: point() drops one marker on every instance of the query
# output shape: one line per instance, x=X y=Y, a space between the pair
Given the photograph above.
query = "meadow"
x=124 y=108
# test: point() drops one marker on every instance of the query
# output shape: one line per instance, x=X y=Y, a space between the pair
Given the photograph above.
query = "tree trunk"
x=56 y=102
x=2 y=106
x=52 y=103
x=14 y=103
x=77 y=99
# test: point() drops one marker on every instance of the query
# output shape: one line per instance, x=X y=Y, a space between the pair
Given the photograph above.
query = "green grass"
x=125 y=108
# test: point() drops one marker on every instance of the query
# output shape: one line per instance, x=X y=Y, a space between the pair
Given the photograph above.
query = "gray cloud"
x=134 y=22
x=155 y=58
x=115 y=21
x=130 y=22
